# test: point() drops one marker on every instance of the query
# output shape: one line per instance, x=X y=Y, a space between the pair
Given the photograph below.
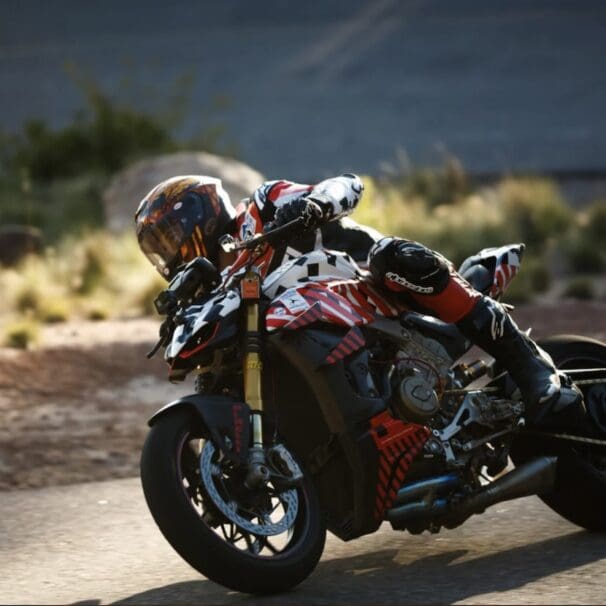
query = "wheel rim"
x=270 y=520
x=267 y=533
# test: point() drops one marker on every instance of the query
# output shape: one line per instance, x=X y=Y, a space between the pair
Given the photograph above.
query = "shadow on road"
x=379 y=578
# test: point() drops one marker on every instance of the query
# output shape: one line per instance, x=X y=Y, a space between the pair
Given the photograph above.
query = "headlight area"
x=202 y=349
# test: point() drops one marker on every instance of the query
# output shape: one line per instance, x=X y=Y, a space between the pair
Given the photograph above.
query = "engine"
x=420 y=374
x=467 y=424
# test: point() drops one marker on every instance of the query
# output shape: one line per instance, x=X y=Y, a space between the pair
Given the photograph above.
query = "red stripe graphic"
x=331 y=303
x=398 y=444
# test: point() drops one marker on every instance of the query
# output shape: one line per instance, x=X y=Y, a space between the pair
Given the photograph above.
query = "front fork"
x=250 y=288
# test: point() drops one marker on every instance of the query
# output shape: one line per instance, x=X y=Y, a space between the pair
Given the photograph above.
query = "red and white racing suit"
x=424 y=278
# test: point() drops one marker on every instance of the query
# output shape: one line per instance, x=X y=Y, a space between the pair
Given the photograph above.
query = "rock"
x=127 y=188
x=17 y=241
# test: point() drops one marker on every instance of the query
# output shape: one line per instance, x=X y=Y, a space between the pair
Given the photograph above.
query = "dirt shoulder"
x=75 y=409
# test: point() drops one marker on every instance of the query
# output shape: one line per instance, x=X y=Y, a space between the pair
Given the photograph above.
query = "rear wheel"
x=261 y=541
x=580 y=491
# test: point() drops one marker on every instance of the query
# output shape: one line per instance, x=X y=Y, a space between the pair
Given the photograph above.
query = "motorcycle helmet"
x=183 y=218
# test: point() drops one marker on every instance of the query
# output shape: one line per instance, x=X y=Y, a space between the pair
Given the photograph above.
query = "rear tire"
x=171 y=505
x=580 y=490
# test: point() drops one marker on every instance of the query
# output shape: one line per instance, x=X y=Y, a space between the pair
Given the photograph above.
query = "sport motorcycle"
x=322 y=402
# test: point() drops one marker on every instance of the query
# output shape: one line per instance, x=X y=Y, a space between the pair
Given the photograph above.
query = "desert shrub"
x=456 y=230
x=53 y=178
x=54 y=311
x=93 y=269
x=97 y=275
x=96 y=312
x=580 y=288
x=521 y=289
x=21 y=334
x=102 y=139
x=535 y=211
x=595 y=223
x=435 y=185
x=57 y=207
x=586 y=246
x=29 y=298
x=585 y=255
x=540 y=277
x=143 y=299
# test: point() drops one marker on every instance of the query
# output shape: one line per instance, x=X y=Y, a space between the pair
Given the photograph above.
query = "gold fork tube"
x=252 y=371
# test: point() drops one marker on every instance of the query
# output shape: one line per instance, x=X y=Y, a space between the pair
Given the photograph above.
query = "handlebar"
x=270 y=236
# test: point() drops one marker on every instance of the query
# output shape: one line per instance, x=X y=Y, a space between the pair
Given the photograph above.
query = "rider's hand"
x=303 y=207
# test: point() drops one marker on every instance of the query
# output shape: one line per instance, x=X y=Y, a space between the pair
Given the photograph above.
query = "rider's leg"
x=492 y=328
x=431 y=281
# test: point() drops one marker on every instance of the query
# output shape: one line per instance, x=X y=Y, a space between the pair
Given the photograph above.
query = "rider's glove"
x=305 y=207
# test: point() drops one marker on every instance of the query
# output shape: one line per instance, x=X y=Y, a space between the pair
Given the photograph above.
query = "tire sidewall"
x=200 y=546
x=580 y=490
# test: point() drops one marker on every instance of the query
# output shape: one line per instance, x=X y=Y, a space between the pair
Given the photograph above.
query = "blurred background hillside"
x=474 y=123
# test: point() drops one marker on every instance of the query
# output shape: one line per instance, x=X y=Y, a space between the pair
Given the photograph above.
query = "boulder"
x=17 y=241
x=127 y=188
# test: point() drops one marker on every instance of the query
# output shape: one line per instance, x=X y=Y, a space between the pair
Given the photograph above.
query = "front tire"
x=191 y=525
x=580 y=490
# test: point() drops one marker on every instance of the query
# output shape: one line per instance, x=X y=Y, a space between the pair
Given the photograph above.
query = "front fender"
x=221 y=417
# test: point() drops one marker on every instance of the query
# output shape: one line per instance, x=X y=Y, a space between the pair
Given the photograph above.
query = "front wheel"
x=261 y=541
x=580 y=490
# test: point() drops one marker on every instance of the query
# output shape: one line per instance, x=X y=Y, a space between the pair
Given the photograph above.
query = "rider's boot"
x=547 y=401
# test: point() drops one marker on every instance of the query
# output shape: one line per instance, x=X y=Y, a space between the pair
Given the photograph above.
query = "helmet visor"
x=161 y=243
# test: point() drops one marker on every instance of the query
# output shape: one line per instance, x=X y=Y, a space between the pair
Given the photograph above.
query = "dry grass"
x=97 y=276
x=21 y=334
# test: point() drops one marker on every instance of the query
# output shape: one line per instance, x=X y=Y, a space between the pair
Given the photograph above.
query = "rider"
x=184 y=217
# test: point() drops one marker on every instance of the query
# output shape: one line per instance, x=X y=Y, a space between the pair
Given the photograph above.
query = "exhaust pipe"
x=533 y=477
x=421 y=489
x=419 y=499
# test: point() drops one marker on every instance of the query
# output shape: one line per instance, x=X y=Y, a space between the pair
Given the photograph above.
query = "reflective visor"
x=161 y=243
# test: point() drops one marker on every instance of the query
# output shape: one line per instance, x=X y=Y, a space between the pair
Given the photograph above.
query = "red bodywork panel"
x=341 y=302
x=398 y=444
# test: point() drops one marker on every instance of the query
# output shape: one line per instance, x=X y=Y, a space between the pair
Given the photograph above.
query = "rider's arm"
x=336 y=196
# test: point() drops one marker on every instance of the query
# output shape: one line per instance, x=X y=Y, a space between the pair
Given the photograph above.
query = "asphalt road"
x=96 y=543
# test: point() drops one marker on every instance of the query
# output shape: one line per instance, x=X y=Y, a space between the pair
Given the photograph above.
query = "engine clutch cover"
x=418 y=401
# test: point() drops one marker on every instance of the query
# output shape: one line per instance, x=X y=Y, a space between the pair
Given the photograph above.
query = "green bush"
x=57 y=207
x=21 y=334
x=54 y=311
x=595 y=224
x=580 y=288
x=535 y=211
x=101 y=139
x=53 y=178
x=521 y=289
x=538 y=272
x=93 y=269
x=29 y=298
x=585 y=256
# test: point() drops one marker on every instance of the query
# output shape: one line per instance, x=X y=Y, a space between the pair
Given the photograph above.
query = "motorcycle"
x=323 y=403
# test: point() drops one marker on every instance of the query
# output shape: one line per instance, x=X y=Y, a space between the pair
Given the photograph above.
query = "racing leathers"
x=422 y=278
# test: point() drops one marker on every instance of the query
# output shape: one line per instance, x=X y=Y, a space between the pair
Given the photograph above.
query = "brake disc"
x=265 y=526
